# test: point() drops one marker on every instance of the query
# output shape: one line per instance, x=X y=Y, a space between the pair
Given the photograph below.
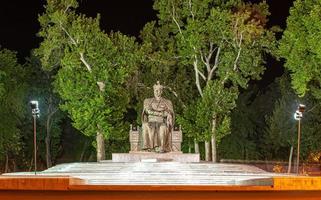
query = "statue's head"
x=158 y=90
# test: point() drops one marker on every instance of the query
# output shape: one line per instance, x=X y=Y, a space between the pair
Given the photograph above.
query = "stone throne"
x=136 y=153
x=135 y=139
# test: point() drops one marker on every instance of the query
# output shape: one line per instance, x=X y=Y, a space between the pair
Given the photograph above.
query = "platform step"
x=161 y=173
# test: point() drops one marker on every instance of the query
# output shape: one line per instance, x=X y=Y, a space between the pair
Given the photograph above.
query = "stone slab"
x=159 y=173
x=160 y=157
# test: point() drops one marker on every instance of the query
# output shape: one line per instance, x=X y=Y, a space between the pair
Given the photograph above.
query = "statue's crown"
x=158 y=85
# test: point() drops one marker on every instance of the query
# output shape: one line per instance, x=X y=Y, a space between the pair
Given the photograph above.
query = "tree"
x=92 y=69
x=300 y=47
x=224 y=44
x=281 y=132
x=160 y=63
x=281 y=129
x=49 y=124
x=242 y=142
x=13 y=105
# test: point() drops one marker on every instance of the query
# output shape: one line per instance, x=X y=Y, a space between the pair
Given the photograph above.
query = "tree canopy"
x=300 y=46
x=224 y=43
x=13 y=87
x=99 y=64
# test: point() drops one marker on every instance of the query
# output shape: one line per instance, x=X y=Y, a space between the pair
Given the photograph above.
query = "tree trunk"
x=290 y=160
x=100 y=146
x=207 y=151
x=83 y=151
x=48 y=142
x=196 y=146
x=100 y=138
x=50 y=112
x=14 y=165
x=6 y=168
x=213 y=140
x=213 y=145
x=31 y=164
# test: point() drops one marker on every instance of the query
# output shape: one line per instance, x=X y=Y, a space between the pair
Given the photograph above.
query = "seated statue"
x=157 y=122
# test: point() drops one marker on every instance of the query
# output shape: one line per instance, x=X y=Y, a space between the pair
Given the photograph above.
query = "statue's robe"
x=158 y=127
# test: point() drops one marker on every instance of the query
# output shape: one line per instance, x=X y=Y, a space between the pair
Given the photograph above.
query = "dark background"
x=19 y=24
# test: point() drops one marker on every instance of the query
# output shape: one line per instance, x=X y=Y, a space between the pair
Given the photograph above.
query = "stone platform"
x=156 y=157
x=157 y=181
x=160 y=173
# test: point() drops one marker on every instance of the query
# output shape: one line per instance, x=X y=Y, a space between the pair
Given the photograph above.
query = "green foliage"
x=241 y=144
x=49 y=122
x=300 y=47
x=12 y=100
x=222 y=44
x=216 y=102
x=247 y=140
x=281 y=132
x=87 y=58
x=160 y=63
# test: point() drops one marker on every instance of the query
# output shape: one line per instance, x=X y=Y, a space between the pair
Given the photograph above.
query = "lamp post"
x=298 y=116
x=35 y=113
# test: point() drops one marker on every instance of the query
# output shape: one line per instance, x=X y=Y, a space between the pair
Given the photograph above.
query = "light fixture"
x=298 y=116
x=35 y=113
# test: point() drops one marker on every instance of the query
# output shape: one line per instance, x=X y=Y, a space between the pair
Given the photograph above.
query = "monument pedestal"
x=137 y=156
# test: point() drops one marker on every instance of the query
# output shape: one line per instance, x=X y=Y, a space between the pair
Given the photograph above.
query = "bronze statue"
x=157 y=122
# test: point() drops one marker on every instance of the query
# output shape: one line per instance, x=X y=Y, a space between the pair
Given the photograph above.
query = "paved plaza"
x=160 y=173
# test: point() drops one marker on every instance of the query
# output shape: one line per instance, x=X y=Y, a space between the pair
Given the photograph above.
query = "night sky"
x=19 y=25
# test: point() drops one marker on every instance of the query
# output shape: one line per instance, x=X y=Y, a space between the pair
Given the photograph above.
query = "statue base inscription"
x=158 y=157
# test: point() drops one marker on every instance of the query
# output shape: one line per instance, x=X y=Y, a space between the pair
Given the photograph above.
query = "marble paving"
x=160 y=173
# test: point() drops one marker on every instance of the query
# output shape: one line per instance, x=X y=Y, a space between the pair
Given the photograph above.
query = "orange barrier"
x=60 y=188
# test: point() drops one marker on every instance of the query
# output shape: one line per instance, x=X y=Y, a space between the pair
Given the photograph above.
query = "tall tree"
x=300 y=46
x=41 y=89
x=92 y=69
x=13 y=93
x=241 y=143
x=281 y=132
x=160 y=62
x=224 y=43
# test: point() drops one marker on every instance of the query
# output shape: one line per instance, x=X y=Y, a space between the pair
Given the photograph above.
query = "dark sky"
x=19 y=25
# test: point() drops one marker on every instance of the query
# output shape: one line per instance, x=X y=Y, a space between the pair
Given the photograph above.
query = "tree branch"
x=72 y=39
x=210 y=53
x=191 y=10
x=196 y=62
x=225 y=78
x=197 y=79
x=84 y=61
x=225 y=39
x=174 y=19
x=210 y=75
x=209 y=57
x=172 y=91
x=82 y=58
x=238 y=53
x=201 y=74
x=67 y=8
x=202 y=59
x=235 y=29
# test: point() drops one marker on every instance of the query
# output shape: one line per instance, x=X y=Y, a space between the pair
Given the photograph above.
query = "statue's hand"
x=154 y=112
x=165 y=113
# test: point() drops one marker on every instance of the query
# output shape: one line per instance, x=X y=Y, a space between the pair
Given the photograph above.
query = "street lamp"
x=35 y=113
x=298 y=116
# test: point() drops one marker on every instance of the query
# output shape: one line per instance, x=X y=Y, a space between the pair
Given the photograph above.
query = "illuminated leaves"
x=13 y=91
x=300 y=46
x=84 y=55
